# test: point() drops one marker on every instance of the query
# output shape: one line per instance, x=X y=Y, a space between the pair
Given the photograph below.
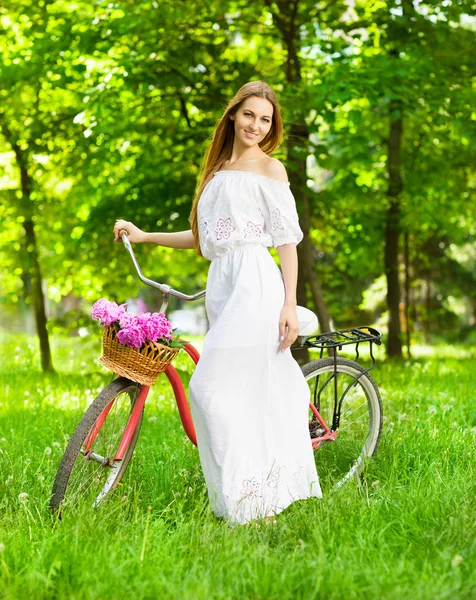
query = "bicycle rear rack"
x=336 y=339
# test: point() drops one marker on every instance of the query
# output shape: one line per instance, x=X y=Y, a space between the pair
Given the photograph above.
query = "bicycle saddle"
x=308 y=322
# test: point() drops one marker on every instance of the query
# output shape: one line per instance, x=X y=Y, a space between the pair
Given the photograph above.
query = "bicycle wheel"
x=360 y=424
x=86 y=478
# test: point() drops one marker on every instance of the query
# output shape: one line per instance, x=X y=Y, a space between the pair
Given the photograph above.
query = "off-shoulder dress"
x=249 y=400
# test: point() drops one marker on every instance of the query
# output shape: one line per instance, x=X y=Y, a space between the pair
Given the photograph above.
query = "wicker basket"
x=141 y=365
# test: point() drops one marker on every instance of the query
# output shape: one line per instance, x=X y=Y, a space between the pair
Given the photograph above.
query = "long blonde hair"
x=221 y=146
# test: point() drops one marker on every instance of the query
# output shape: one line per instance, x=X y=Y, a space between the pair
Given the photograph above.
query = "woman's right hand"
x=135 y=235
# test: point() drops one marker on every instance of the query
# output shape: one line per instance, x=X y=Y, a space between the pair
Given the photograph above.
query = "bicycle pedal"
x=316 y=430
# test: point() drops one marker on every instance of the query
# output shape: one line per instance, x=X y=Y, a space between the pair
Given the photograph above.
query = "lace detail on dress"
x=252 y=488
x=276 y=220
x=224 y=228
x=252 y=230
x=273 y=480
x=300 y=475
x=203 y=228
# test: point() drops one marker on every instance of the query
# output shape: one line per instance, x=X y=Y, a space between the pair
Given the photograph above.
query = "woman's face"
x=253 y=120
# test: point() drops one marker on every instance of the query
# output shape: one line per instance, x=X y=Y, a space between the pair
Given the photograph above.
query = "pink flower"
x=132 y=336
x=133 y=330
x=126 y=320
x=155 y=326
x=107 y=312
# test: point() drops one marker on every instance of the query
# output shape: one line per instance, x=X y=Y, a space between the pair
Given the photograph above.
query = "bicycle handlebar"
x=164 y=288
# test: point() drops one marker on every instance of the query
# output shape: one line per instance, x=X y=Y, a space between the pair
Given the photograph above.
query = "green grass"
x=406 y=529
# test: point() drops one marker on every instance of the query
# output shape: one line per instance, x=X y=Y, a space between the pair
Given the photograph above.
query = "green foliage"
x=112 y=106
x=417 y=59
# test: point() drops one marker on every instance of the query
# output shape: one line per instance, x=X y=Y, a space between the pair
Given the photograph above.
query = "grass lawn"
x=406 y=529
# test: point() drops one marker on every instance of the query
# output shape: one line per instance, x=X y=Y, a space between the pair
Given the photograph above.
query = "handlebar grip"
x=127 y=244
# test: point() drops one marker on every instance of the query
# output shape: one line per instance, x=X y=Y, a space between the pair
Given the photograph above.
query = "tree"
x=109 y=115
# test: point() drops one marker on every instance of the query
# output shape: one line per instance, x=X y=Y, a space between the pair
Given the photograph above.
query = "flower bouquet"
x=138 y=347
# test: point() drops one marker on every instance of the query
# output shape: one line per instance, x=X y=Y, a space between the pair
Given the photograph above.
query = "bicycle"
x=345 y=413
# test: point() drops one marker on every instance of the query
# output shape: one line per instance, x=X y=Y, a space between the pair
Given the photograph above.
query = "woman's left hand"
x=288 y=319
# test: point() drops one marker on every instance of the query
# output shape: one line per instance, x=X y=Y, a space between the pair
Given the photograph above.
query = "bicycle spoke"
x=74 y=496
x=113 y=423
x=348 y=412
x=358 y=419
x=84 y=488
x=93 y=470
x=81 y=469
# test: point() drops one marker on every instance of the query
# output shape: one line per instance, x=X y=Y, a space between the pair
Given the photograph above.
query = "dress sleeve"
x=278 y=207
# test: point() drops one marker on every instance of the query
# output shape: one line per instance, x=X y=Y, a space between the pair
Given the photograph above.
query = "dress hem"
x=270 y=513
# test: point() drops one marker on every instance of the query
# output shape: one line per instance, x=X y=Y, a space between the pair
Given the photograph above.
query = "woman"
x=248 y=396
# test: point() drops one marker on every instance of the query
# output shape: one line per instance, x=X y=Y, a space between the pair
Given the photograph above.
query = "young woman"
x=248 y=396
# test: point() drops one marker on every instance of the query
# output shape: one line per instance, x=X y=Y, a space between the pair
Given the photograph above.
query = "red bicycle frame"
x=329 y=435
x=184 y=412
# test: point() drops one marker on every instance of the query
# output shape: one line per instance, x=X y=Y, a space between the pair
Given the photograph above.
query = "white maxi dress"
x=249 y=400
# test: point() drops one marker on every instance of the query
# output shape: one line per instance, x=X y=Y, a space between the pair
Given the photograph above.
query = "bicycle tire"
x=116 y=388
x=352 y=465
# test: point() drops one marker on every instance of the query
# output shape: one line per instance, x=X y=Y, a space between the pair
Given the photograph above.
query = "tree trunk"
x=32 y=252
x=37 y=296
x=296 y=179
x=392 y=233
x=427 y=310
x=301 y=355
x=297 y=154
x=286 y=20
x=407 y=294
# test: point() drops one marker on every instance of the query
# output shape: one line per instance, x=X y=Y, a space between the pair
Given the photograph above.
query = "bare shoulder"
x=274 y=169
